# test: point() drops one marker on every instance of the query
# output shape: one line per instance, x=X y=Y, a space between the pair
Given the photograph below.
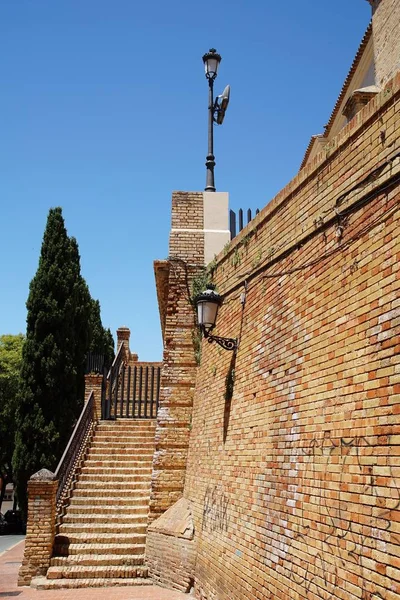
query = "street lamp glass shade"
x=208 y=303
x=211 y=62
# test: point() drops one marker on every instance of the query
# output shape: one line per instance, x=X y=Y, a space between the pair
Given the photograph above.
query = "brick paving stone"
x=11 y=560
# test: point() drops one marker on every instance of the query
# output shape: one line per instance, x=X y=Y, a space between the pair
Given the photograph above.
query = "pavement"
x=11 y=559
x=6 y=541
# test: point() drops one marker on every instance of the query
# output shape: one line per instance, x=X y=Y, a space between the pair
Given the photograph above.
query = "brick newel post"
x=123 y=335
x=41 y=527
x=93 y=383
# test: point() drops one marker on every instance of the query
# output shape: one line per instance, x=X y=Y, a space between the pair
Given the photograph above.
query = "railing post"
x=94 y=383
x=41 y=526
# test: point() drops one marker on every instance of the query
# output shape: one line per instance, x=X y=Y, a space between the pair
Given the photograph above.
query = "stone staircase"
x=102 y=538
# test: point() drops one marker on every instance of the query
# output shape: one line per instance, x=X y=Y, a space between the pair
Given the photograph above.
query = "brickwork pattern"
x=186 y=257
x=42 y=489
x=293 y=476
x=386 y=31
x=170 y=548
x=171 y=561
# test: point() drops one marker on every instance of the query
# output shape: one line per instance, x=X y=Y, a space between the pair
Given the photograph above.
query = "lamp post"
x=207 y=304
x=216 y=111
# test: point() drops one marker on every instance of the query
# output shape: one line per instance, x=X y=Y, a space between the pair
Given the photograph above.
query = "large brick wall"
x=293 y=475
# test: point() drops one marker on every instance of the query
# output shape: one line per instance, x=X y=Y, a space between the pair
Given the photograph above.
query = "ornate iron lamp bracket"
x=225 y=343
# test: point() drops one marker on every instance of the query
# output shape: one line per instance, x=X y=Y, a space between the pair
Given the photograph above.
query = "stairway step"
x=98 y=560
x=66 y=549
x=100 y=538
x=124 y=461
x=84 y=510
x=133 y=443
x=106 y=471
x=97 y=572
x=97 y=516
x=67 y=529
x=122 y=452
x=42 y=583
x=137 y=488
x=135 y=504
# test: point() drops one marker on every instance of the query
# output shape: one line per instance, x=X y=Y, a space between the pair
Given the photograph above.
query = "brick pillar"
x=41 y=526
x=186 y=251
x=386 y=36
x=94 y=383
x=123 y=335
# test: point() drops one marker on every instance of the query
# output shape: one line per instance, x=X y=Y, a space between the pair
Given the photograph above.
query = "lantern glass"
x=211 y=63
x=207 y=313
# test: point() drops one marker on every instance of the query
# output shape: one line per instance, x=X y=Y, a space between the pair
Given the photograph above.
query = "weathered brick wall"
x=386 y=32
x=186 y=257
x=294 y=477
x=170 y=548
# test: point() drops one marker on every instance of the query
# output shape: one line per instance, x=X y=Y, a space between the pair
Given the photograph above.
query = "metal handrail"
x=74 y=451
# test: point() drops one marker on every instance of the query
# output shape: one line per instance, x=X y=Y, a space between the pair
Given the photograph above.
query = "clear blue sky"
x=103 y=110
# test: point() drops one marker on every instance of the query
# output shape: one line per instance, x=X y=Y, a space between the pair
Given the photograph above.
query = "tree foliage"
x=10 y=365
x=101 y=339
x=54 y=354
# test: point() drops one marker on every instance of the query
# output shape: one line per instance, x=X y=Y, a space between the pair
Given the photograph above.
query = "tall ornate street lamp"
x=216 y=111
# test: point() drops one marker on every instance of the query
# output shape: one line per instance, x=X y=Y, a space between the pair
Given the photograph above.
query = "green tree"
x=53 y=358
x=101 y=339
x=10 y=365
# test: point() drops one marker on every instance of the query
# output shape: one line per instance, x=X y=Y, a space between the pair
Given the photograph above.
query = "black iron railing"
x=74 y=454
x=95 y=363
x=132 y=392
x=237 y=224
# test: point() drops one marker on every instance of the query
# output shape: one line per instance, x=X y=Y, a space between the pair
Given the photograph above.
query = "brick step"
x=130 y=503
x=127 y=422
x=119 y=497
x=131 y=432
x=108 y=527
x=89 y=560
x=98 y=516
x=65 y=549
x=105 y=471
x=124 y=441
x=42 y=583
x=124 y=461
x=122 y=452
x=121 y=482
x=112 y=475
x=100 y=538
x=97 y=572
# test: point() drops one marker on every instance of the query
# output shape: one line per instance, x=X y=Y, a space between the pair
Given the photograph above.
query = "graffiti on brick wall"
x=215 y=510
x=341 y=538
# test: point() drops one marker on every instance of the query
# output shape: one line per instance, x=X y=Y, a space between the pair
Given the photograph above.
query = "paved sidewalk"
x=10 y=562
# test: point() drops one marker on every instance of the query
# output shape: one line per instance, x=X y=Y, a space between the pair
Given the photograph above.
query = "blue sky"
x=104 y=112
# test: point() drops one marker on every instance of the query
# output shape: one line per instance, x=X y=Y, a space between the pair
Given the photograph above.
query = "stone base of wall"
x=170 y=548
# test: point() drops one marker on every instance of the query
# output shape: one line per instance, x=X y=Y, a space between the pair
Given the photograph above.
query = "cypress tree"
x=53 y=359
x=101 y=341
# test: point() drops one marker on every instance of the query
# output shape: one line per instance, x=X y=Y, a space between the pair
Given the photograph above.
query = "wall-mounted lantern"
x=207 y=304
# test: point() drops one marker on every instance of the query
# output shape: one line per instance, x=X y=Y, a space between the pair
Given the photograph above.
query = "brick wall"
x=386 y=33
x=294 y=475
x=186 y=259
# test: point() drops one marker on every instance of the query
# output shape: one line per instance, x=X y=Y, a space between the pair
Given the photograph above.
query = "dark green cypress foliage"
x=52 y=374
x=101 y=341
